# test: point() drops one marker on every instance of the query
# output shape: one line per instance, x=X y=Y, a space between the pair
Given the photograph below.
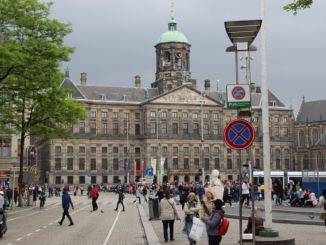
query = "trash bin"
x=154 y=211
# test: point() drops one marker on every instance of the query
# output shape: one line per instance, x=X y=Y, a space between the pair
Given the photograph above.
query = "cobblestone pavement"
x=303 y=234
x=34 y=226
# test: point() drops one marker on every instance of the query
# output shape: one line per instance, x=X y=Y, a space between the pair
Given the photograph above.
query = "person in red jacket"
x=94 y=195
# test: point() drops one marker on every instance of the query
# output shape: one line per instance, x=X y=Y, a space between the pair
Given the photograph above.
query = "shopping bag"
x=197 y=229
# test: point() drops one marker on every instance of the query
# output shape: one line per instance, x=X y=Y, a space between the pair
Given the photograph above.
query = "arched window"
x=305 y=162
x=314 y=136
x=287 y=158
x=301 y=138
x=320 y=161
x=278 y=158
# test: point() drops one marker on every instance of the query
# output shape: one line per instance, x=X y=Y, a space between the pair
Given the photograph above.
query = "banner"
x=135 y=169
x=162 y=165
x=126 y=167
x=153 y=164
x=142 y=168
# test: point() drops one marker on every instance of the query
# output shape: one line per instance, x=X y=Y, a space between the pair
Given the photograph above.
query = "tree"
x=298 y=5
x=32 y=103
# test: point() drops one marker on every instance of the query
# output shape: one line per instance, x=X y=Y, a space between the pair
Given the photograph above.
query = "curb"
x=292 y=211
x=283 y=221
x=150 y=234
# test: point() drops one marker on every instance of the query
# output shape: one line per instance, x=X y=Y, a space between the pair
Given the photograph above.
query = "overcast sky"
x=115 y=39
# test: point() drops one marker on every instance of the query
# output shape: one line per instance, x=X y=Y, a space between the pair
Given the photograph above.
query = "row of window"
x=152 y=149
x=153 y=114
x=70 y=180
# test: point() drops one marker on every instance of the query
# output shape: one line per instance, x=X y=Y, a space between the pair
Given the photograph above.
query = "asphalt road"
x=35 y=226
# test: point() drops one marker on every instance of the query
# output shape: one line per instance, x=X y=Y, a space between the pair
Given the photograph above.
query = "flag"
x=142 y=168
x=162 y=165
x=126 y=167
x=153 y=164
x=135 y=169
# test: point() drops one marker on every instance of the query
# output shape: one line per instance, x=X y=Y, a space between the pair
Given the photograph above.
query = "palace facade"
x=174 y=120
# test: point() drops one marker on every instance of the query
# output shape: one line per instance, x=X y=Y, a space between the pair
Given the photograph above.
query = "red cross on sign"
x=239 y=134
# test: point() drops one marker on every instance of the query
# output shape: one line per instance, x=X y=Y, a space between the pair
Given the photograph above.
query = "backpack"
x=224 y=224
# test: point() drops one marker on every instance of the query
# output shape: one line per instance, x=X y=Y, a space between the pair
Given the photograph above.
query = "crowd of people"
x=196 y=200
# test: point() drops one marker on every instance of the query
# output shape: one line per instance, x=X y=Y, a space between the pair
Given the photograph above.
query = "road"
x=35 y=226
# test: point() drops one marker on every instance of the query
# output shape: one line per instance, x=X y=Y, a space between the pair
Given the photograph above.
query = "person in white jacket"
x=168 y=215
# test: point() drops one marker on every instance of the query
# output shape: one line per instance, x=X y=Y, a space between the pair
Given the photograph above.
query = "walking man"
x=66 y=202
x=120 y=200
x=94 y=195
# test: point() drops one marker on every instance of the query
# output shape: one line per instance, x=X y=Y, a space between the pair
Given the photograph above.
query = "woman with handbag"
x=168 y=214
x=191 y=210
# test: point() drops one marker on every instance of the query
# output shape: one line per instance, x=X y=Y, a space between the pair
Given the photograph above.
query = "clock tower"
x=172 y=59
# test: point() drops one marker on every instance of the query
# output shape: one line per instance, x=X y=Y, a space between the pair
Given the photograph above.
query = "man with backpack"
x=216 y=224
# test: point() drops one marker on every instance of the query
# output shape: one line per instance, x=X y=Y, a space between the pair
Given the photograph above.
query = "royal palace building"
x=173 y=123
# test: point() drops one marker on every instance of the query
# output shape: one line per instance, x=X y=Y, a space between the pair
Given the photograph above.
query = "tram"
x=314 y=180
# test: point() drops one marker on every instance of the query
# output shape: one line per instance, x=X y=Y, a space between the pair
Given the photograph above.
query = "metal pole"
x=202 y=136
x=13 y=190
x=128 y=174
x=265 y=117
x=251 y=158
x=240 y=165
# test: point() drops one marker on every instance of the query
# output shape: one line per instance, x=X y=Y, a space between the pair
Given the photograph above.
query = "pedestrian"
x=120 y=200
x=145 y=193
x=168 y=215
x=213 y=221
x=322 y=204
x=35 y=194
x=94 y=195
x=137 y=196
x=66 y=203
x=42 y=198
x=81 y=190
x=184 y=196
x=227 y=195
x=245 y=192
x=191 y=210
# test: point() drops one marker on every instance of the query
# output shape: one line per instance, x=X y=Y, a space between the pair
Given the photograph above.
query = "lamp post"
x=243 y=31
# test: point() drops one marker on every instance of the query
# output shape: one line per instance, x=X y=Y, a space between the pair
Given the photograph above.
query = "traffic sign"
x=239 y=134
x=238 y=96
x=149 y=172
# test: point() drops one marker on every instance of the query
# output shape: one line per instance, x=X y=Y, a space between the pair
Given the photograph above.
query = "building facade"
x=310 y=136
x=173 y=123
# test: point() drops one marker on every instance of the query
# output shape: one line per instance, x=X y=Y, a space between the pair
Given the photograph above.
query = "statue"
x=216 y=186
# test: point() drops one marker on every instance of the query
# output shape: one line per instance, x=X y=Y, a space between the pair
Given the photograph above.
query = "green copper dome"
x=172 y=35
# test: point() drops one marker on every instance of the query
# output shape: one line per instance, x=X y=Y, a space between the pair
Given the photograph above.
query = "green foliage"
x=298 y=5
x=31 y=51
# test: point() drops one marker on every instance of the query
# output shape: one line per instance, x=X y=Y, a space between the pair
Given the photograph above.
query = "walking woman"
x=213 y=221
x=168 y=214
x=322 y=204
x=191 y=210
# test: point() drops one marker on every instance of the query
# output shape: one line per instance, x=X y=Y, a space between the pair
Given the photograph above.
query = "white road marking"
x=37 y=230
x=111 y=230
x=44 y=227
x=18 y=239
x=51 y=223
x=29 y=234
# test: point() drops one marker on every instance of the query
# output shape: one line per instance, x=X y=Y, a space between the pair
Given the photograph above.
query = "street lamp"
x=243 y=31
